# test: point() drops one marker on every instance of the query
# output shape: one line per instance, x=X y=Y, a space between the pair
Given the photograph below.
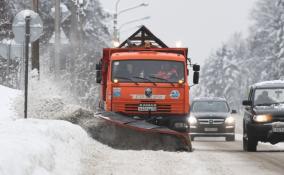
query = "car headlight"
x=180 y=125
x=192 y=120
x=262 y=118
x=230 y=120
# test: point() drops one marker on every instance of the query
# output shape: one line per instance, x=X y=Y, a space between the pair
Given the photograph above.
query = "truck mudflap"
x=123 y=132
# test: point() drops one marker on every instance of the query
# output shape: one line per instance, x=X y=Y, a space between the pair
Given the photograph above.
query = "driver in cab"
x=264 y=98
x=167 y=72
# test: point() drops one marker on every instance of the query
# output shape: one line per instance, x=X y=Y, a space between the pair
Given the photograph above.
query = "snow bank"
x=41 y=147
x=7 y=97
x=36 y=146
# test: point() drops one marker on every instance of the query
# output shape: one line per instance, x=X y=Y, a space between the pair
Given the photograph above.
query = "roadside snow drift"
x=41 y=147
x=7 y=98
x=37 y=146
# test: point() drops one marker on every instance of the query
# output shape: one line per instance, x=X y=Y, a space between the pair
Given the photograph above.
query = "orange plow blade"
x=122 y=132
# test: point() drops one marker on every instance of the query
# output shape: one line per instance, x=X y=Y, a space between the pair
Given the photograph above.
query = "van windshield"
x=148 y=71
x=210 y=106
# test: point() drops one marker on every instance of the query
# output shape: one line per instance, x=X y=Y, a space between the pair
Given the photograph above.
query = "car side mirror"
x=234 y=111
x=196 y=68
x=195 y=77
x=98 y=76
x=247 y=103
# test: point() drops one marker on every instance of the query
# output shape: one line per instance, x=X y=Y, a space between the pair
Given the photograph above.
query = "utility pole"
x=27 y=41
x=115 y=32
x=35 y=44
x=57 y=36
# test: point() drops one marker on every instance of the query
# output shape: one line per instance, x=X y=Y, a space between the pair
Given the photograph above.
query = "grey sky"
x=201 y=25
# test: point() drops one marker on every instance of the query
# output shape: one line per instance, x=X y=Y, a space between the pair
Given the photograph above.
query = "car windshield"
x=210 y=106
x=148 y=71
x=267 y=97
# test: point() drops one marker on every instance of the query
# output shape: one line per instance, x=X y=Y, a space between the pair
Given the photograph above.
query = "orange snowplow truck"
x=145 y=80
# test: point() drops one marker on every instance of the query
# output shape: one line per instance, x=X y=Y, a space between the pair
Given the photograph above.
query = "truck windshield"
x=210 y=106
x=267 y=97
x=148 y=71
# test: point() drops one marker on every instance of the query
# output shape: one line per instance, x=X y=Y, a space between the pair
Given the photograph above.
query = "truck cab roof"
x=147 y=55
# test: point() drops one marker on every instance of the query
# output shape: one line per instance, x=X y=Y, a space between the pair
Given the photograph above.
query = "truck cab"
x=147 y=82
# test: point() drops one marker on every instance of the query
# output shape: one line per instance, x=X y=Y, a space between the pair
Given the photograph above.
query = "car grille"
x=278 y=118
x=211 y=121
x=160 y=108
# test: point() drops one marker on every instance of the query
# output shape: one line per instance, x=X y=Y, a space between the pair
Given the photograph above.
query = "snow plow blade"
x=123 y=132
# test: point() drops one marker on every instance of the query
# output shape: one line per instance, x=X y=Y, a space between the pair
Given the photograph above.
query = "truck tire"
x=230 y=138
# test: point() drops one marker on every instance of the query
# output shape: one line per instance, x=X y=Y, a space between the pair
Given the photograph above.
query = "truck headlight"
x=230 y=120
x=192 y=120
x=262 y=118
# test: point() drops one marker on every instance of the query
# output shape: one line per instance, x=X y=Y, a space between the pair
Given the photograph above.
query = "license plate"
x=278 y=127
x=279 y=130
x=147 y=107
x=210 y=129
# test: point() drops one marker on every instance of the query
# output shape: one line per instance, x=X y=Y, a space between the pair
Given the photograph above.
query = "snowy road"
x=228 y=158
x=210 y=156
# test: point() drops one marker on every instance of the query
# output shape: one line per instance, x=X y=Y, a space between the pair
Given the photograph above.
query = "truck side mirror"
x=196 y=68
x=195 y=77
x=247 y=103
x=98 y=76
x=98 y=66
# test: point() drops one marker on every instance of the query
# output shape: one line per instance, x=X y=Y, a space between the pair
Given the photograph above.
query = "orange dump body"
x=127 y=97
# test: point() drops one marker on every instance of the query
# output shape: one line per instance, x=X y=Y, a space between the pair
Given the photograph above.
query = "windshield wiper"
x=126 y=78
x=159 y=78
x=142 y=78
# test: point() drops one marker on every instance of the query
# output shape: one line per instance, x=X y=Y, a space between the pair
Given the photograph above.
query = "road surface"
x=210 y=156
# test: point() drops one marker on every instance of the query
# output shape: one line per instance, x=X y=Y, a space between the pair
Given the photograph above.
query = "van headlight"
x=230 y=120
x=262 y=118
x=192 y=120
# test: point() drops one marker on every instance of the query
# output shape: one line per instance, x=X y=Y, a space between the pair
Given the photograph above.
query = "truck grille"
x=160 y=108
x=211 y=121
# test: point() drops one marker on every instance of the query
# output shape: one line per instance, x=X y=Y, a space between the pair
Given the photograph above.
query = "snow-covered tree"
x=267 y=32
x=242 y=62
x=221 y=76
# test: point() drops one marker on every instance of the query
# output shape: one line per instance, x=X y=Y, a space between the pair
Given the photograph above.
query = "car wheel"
x=230 y=138
x=249 y=143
